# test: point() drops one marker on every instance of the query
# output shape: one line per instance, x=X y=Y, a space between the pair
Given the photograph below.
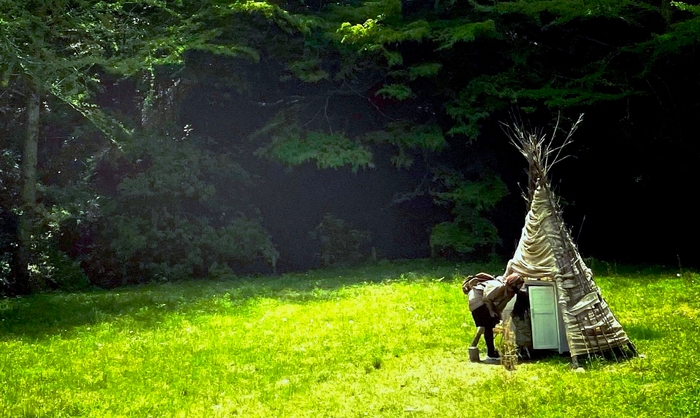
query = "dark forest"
x=162 y=140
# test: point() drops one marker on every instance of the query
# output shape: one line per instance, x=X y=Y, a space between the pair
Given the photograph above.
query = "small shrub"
x=165 y=221
x=470 y=231
x=340 y=243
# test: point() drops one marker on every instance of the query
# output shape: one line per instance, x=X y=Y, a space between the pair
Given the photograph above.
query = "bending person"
x=487 y=299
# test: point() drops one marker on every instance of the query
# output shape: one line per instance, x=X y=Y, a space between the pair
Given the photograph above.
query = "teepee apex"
x=539 y=150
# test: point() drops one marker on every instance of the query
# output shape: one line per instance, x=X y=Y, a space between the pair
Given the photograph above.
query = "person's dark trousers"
x=482 y=318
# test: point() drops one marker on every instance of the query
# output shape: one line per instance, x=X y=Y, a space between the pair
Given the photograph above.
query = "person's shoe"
x=492 y=360
x=494 y=355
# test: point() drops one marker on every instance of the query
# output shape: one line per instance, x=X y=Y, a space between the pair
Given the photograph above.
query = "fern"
x=294 y=147
x=407 y=137
x=566 y=10
x=308 y=70
x=395 y=91
x=465 y=32
x=429 y=69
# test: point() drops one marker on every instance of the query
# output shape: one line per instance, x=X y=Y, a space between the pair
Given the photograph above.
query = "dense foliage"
x=155 y=139
x=340 y=243
x=167 y=220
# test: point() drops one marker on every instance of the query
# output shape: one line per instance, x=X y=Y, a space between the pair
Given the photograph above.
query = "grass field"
x=388 y=340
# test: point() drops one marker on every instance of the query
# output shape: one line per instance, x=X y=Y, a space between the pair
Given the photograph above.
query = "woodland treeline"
x=159 y=140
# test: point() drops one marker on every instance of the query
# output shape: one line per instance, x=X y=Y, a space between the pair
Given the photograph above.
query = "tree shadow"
x=147 y=306
x=40 y=316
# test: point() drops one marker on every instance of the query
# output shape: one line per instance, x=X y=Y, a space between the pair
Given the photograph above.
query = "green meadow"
x=383 y=340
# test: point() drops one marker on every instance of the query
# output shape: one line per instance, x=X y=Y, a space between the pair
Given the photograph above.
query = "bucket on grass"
x=473 y=349
x=474 y=354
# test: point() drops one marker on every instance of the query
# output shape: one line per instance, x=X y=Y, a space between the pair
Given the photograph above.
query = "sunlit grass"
x=380 y=341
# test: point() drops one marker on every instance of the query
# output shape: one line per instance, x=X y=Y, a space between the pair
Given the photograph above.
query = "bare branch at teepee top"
x=569 y=139
x=537 y=148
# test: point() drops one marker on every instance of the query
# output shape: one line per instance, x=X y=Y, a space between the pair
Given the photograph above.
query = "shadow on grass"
x=643 y=332
x=145 y=307
x=41 y=316
x=596 y=360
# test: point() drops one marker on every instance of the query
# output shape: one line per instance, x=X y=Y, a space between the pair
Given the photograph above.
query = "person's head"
x=514 y=281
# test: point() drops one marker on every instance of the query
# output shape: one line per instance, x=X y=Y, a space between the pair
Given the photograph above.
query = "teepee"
x=546 y=252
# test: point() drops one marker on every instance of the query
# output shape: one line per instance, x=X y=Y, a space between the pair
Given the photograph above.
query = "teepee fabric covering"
x=534 y=257
x=547 y=252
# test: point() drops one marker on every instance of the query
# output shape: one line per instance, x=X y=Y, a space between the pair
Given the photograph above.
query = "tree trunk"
x=666 y=12
x=26 y=223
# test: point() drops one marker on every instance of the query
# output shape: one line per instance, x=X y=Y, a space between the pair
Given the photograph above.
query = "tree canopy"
x=139 y=126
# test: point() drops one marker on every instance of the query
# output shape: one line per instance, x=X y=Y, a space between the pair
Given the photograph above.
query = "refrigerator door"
x=545 y=321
